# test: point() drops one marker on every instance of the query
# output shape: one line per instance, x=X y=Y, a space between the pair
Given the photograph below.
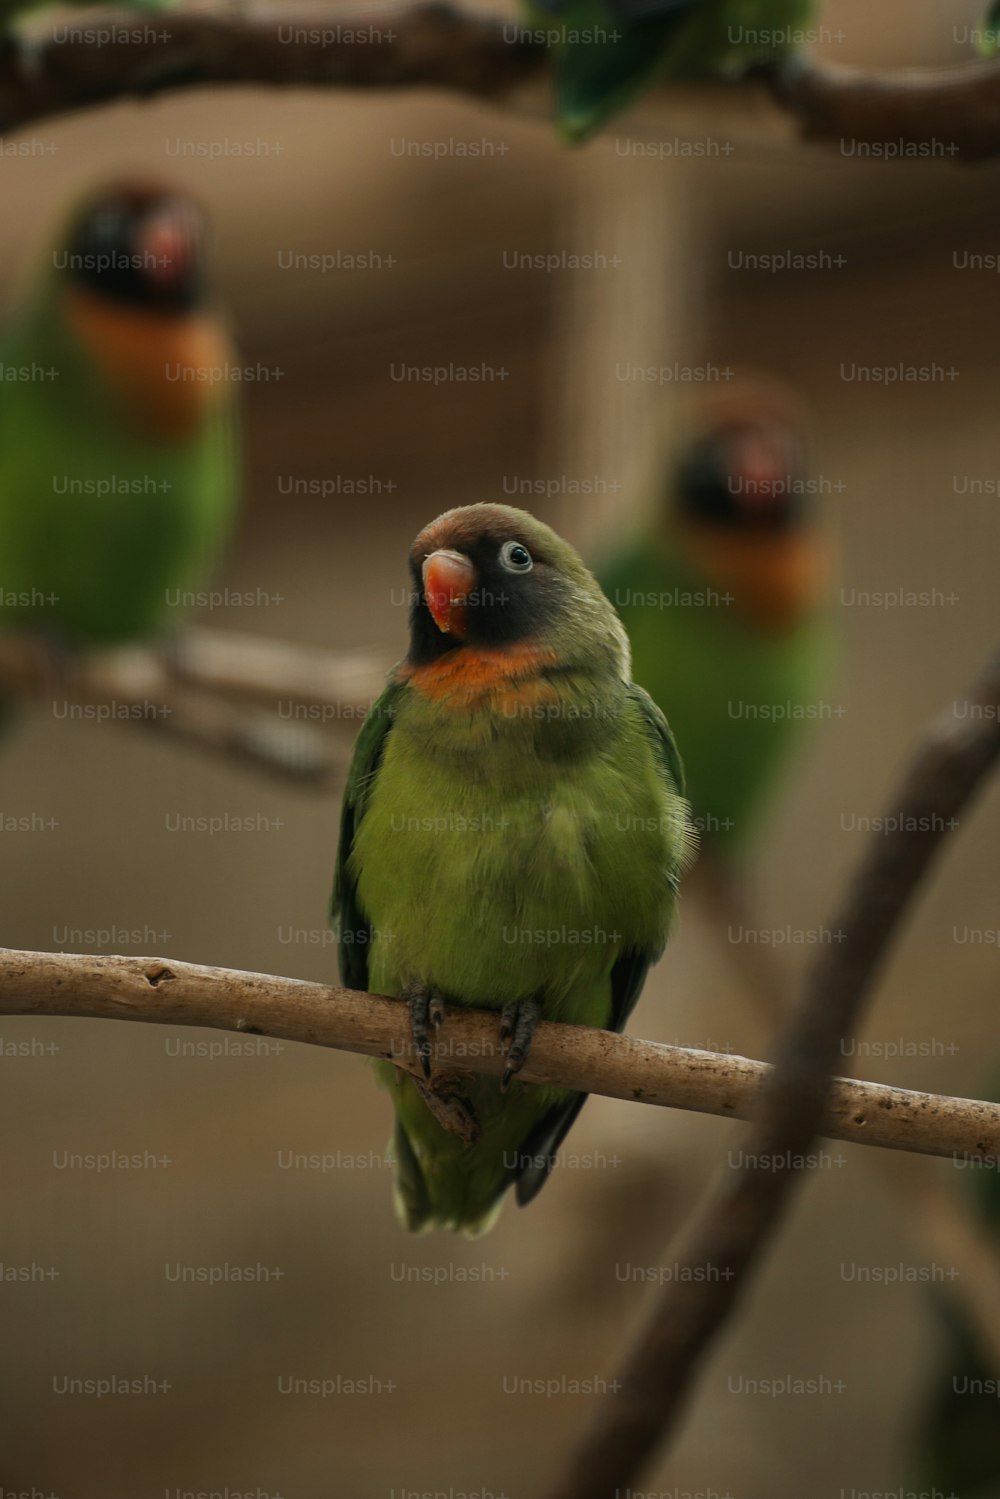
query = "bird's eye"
x=515 y=557
x=106 y=223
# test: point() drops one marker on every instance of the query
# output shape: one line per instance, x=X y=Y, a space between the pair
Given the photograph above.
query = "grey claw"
x=518 y=1022
x=426 y=1008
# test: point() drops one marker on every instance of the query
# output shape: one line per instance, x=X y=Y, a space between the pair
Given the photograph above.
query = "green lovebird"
x=723 y=596
x=607 y=52
x=956 y=1437
x=117 y=431
x=513 y=831
x=989 y=42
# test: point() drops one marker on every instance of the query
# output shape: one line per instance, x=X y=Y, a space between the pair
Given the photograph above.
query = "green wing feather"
x=345 y=909
x=596 y=79
x=354 y=926
x=627 y=976
x=662 y=740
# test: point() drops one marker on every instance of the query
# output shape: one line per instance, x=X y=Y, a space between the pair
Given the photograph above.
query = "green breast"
x=736 y=697
x=509 y=872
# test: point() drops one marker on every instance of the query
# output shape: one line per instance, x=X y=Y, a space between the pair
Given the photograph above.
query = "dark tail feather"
x=539 y=1150
x=412 y=1200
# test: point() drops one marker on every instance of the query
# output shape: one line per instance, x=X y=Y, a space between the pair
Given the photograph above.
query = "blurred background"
x=269 y=1156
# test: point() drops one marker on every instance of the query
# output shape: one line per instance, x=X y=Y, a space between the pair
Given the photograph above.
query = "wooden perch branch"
x=340 y=685
x=946 y=772
x=161 y=991
x=788 y=1104
x=949 y=112
x=196 y=687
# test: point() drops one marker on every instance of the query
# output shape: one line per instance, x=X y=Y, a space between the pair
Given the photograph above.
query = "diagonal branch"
x=935 y=1213
x=257 y=701
x=163 y=992
x=952 y=113
x=944 y=775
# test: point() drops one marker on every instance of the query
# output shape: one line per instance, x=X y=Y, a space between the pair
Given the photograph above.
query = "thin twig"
x=659 y=1372
x=570 y=1056
x=182 y=690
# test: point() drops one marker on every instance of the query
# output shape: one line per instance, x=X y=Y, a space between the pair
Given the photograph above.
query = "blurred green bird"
x=956 y=1440
x=512 y=835
x=989 y=40
x=117 y=425
x=723 y=594
x=12 y=11
x=608 y=52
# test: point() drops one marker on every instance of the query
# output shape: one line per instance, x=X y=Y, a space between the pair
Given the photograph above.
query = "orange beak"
x=168 y=244
x=764 y=460
x=449 y=578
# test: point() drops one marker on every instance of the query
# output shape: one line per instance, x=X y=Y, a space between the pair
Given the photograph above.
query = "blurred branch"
x=950 y=112
x=338 y=685
x=569 y=1056
x=946 y=771
x=181 y=690
x=938 y=1218
x=427 y=46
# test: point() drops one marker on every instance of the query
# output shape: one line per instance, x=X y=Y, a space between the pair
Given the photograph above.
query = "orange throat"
x=774 y=581
x=167 y=371
x=509 y=681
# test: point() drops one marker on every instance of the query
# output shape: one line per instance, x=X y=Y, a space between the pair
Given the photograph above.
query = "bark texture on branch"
x=164 y=992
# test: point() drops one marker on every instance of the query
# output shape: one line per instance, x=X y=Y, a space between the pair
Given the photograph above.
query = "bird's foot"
x=450 y=1107
x=517 y=1026
x=426 y=1009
